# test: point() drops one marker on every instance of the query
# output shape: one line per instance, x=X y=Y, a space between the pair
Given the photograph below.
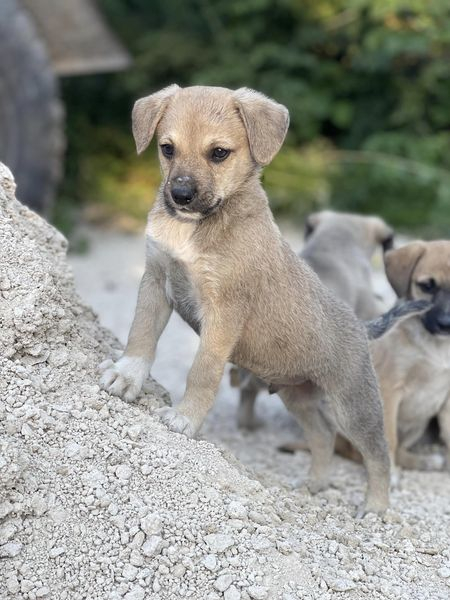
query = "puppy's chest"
x=187 y=268
x=428 y=378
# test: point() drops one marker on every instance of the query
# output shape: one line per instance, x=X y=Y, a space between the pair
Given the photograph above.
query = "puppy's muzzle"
x=437 y=323
x=437 y=320
x=183 y=190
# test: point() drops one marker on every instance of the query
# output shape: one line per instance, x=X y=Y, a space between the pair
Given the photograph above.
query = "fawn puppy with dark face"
x=413 y=360
x=215 y=255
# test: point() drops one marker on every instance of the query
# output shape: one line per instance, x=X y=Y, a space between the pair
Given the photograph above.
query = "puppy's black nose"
x=182 y=190
x=443 y=321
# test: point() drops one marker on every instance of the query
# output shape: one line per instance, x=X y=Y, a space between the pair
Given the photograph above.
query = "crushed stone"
x=98 y=500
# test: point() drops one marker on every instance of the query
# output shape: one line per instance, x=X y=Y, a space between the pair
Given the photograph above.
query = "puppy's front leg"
x=217 y=340
x=126 y=377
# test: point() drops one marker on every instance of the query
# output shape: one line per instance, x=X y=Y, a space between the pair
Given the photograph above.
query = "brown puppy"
x=413 y=360
x=215 y=254
x=339 y=247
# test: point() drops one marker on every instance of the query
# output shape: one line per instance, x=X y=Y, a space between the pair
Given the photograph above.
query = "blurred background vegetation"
x=367 y=84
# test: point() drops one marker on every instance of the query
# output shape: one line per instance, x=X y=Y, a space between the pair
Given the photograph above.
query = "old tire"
x=31 y=115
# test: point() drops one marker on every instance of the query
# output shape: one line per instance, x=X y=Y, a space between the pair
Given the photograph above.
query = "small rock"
x=136 y=593
x=444 y=572
x=72 y=449
x=179 y=570
x=138 y=540
x=210 y=562
x=123 y=472
x=10 y=549
x=223 y=582
x=341 y=585
x=151 y=524
x=219 y=542
x=232 y=593
x=7 y=531
x=152 y=546
x=26 y=585
x=134 y=431
x=130 y=572
x=12 y=583
x=257 y=592
x=5 y=508
x=136 y=558
x=236 y=510
x=54 y=552
x=333 y=547
x=42 y=591
x=257 y=517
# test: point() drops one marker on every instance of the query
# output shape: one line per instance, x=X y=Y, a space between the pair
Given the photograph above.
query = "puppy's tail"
x=406 y=308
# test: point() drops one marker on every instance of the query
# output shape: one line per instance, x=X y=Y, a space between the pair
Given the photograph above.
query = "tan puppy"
x=413 y=360
x=215 y=254
x=339 y=247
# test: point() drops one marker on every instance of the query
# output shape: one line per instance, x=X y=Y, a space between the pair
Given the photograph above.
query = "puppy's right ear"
x=147 y=113
x=400 y=265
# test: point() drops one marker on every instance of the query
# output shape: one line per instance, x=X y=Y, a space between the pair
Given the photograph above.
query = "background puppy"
x=413 y=360
x=215 y=254
x=339 y=247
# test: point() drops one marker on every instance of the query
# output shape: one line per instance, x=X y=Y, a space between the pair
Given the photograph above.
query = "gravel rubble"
x=98 y=500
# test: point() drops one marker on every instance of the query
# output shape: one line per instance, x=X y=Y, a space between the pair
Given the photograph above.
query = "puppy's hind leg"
x=250 y=387
x=305 y=402
x=359 y=417
x=246 y=411
x=419 y=461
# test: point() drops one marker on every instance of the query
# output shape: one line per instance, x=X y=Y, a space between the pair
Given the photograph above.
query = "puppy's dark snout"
x=443 y=320
x=183 y=189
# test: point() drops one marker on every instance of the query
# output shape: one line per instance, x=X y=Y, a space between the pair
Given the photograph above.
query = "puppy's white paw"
x=125 y=377
x=175 y=421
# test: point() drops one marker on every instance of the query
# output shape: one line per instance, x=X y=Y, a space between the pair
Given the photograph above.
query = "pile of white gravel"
x=99 y=501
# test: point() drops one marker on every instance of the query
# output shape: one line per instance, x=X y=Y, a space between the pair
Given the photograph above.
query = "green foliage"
x=367 y=84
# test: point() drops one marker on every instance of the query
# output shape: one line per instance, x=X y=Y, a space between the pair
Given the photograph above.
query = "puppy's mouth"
x=209 y=210
x=196 y=211
x=433 y=326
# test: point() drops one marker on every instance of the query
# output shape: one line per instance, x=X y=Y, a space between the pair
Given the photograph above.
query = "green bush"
x=367 y=84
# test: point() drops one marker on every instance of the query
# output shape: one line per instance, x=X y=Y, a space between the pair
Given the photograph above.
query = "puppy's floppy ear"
x=146 y=115
x=266 y=123
x=400 y=265
x=311 y=222
x=384 y=235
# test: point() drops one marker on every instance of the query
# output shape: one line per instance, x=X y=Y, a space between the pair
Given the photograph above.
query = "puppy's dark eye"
x=168 y=150
x=428 y=287
x=219 y=154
